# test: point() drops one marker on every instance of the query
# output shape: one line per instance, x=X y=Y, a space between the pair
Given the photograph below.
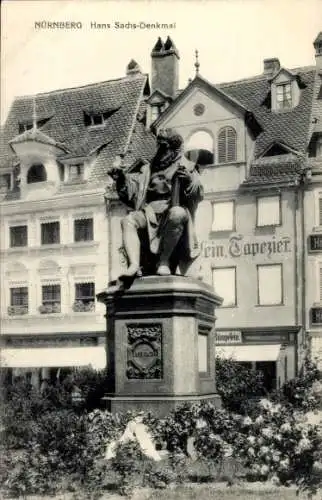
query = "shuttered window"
x=320 y=211
x=227 y=144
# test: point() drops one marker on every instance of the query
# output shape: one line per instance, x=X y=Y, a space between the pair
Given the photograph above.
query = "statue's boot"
x=172 y=233
x=132 y=247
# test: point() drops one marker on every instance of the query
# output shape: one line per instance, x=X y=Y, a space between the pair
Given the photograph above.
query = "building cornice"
x=61 y=200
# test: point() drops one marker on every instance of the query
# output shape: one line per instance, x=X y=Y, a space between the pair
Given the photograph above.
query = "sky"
x=232 y=37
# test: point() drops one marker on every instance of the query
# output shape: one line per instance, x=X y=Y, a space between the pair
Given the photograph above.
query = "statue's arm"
x=126 y=186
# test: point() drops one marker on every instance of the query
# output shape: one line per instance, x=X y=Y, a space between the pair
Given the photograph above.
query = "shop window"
x=50 y=299
x=83 y=230
x=268 y=211
x=18 y=236
x=84 y=297
x=227 y=145
x=270 y=284
x=224 y=283
x=36 y=173
x=18 y=301
x=50 y=233
x=268 y=369
x=76 y=172
x=223 y=216
x=283 y=96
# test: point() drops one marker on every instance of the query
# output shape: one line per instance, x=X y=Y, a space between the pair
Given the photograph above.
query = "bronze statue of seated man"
x=159 y=233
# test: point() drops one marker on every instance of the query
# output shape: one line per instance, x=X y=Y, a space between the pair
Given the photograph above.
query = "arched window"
x=200 y=148
x=36 y=173
x=227 y=145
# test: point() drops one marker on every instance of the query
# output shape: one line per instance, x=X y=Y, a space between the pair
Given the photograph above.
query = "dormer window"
x=93 y=119
x=319 y=147
x=76 y=172
x=156 y=111
x=36 y=173
x=23 y=127
x=284 y=96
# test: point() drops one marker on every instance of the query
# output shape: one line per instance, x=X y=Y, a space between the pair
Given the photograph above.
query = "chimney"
x=271 y=67
x=165 y=67
x=318 y=51
x=133 y=68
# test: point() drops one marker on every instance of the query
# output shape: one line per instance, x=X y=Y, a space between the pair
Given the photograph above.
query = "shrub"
x=299 y=392
x=237 y=384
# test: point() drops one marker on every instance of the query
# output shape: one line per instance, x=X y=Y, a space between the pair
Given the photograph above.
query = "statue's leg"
x=172 y=232
x=131 y=224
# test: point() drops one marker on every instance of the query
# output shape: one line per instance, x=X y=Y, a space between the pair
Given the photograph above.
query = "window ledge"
x=51 y=246
x=221 y=233
x=269 y=305
x=79 y=244
x=229 y=307
x=317 y=229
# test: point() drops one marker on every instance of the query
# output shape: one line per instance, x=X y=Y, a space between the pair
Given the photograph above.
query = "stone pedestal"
x=160 y=344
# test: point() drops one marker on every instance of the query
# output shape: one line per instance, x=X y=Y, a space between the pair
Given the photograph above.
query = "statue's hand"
x=115 y=172
x=183 y=174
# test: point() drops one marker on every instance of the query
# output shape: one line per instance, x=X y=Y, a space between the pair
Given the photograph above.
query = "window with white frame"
x=284 y=96
x=155 y=112
x=223 y=216
x=83 y=230
x=50 y=233
x=51 y=301
x=84 y=297
x=268 y=211
x=18 y=300
x=18 y=236
x=227 y=145
x=270 y=284
x=224 y=283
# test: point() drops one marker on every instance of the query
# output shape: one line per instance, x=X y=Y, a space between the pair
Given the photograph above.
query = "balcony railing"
x=50 y=308
x=80 y=306
x=17 y=310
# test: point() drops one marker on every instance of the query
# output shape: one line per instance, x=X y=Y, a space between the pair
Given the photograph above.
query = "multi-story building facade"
x=312 y=218
x=256 y=142
x=54 y=246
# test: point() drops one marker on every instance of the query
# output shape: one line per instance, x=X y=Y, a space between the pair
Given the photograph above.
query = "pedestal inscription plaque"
x=144 y=353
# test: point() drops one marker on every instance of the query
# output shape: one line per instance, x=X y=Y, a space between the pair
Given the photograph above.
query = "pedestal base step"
x=158 y=405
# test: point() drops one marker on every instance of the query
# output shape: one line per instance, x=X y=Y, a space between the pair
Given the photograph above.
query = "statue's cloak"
x=133 y=191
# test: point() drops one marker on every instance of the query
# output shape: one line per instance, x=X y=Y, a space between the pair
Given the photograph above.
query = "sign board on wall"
x=238 y=246
x=226 y=337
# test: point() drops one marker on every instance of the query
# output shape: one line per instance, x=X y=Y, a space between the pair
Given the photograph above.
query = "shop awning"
x=54 y=357
x=267 y=352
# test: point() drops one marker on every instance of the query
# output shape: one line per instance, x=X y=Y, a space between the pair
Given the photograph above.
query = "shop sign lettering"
x=237 y=246
x=228 y=337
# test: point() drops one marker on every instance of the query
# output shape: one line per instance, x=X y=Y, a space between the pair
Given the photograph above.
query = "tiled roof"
x=283 y=170
x=67 y=128
x=288 y=127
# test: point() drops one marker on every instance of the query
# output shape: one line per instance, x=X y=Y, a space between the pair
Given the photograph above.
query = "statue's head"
x=169 y=139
